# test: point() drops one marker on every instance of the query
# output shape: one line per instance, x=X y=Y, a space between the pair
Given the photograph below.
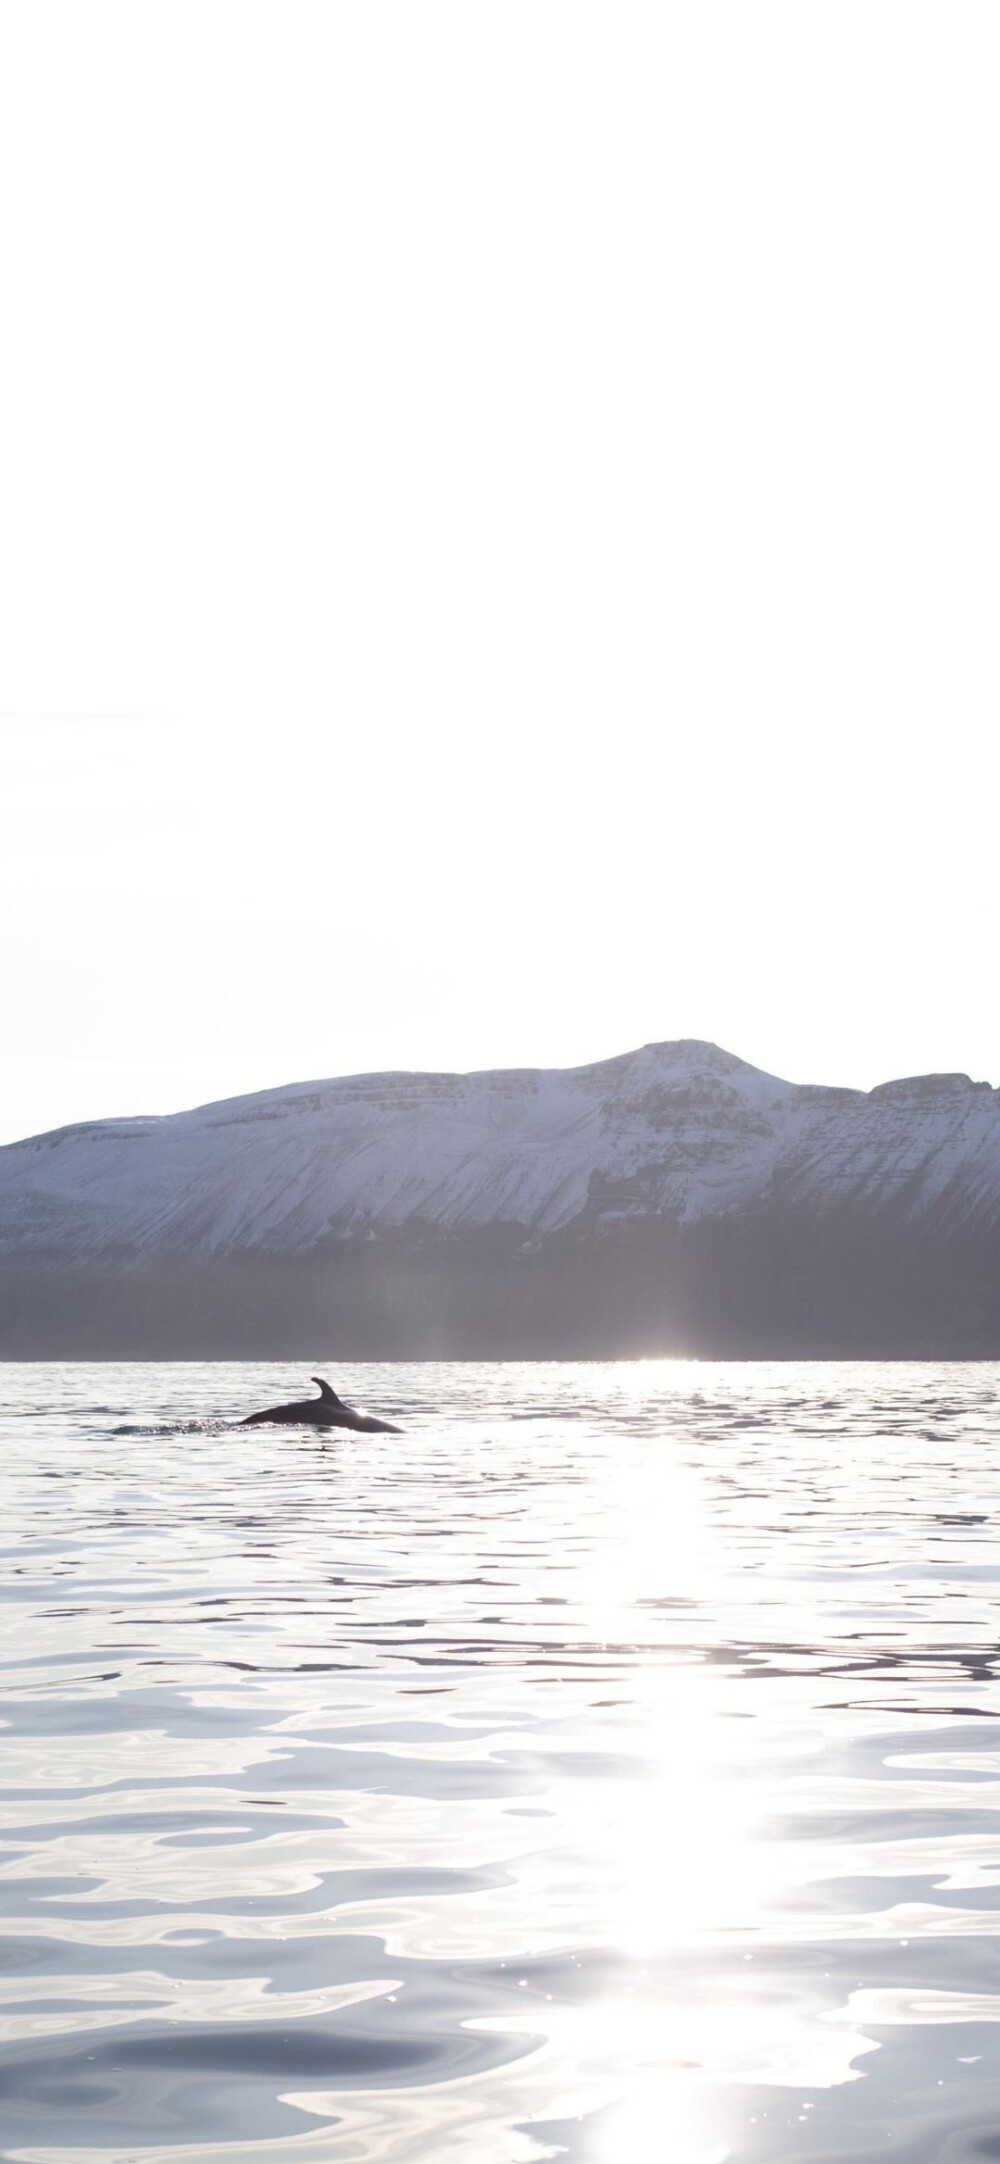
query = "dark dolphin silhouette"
x=326 y=1411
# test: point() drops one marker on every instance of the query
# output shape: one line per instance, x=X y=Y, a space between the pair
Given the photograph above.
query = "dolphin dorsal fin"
x=327 y=1396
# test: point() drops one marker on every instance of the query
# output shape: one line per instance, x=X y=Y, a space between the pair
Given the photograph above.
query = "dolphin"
x=326 y=1411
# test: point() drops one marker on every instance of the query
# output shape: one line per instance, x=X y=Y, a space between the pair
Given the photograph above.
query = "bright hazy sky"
x=498 y=539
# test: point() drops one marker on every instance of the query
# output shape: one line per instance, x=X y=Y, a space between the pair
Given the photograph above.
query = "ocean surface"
x=608 y=1768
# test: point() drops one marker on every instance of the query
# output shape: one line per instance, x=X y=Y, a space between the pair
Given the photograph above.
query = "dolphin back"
x=281 y=1415
x=326 y=1411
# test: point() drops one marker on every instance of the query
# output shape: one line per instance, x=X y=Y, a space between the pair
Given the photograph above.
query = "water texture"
x=608 y=1768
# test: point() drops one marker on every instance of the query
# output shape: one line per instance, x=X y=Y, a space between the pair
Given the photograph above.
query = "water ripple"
x=603 y=1769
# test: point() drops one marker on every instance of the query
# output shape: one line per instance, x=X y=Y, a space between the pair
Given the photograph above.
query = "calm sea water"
x=608 y=1768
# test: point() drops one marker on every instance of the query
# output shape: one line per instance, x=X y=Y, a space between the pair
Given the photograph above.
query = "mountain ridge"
x=673 y=1196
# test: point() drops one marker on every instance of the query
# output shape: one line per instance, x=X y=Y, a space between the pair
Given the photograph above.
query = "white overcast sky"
x=498 y=539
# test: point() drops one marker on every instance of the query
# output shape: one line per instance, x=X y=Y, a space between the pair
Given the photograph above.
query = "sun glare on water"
x=673 y=1842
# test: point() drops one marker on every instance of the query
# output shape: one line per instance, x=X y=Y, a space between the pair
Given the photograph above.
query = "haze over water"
x=607 y=1768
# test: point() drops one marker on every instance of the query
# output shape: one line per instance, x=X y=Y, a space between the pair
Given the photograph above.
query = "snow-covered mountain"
x=674 y=1198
